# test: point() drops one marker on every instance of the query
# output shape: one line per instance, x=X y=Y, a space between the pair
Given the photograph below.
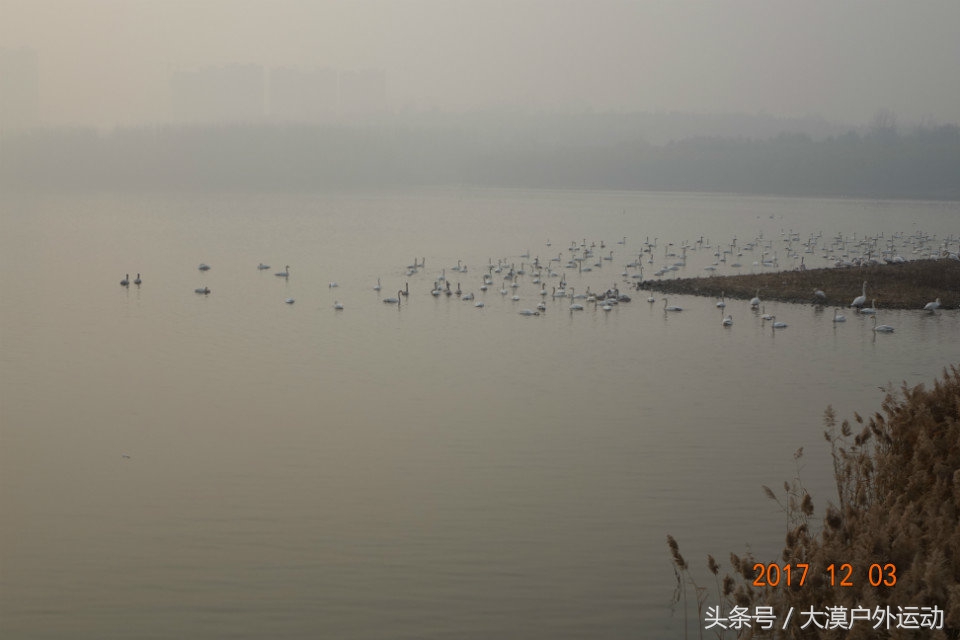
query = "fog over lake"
x=320 y=320
x=217 y=465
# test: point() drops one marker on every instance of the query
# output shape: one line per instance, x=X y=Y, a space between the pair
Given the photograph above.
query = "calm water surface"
x=175 y=465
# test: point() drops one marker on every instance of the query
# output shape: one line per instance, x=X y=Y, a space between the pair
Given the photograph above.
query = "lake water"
x=176 y=465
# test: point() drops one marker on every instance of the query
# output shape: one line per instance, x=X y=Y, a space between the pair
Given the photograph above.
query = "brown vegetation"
x=908 y=285
x=898 y=483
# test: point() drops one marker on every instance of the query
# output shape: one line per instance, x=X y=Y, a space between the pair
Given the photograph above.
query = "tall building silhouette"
x=302 y=95
x=245 y=94
x=362 y=92
x=19 y=89
x=231 y=94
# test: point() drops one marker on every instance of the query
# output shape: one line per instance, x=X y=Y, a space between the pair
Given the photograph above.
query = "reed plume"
x=898 y=503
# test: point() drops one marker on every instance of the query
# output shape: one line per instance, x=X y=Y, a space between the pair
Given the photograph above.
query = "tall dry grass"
x=898 y=502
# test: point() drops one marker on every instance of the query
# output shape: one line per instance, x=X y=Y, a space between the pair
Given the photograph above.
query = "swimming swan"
x=883 y=328
x=671 y=308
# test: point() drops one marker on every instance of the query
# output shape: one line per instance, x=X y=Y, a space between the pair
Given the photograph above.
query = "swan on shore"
x=932 y=306
x=861 y=299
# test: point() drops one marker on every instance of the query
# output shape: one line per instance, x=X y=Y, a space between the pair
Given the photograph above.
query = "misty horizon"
x=113 y=63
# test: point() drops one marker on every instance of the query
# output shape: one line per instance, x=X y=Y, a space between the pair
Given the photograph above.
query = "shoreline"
x=908 y=285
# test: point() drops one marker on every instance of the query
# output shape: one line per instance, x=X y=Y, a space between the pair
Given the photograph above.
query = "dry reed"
x=898 y=490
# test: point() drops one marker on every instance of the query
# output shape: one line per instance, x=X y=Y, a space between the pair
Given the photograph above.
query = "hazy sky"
x=109 y=61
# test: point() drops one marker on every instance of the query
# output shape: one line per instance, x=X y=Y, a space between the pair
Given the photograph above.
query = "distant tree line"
x=880 y=162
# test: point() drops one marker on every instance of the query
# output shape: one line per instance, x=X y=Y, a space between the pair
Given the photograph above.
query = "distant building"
x=303 y=95
x=231 y=94
x=362 y=92
x=19 y=89
x=244 y=94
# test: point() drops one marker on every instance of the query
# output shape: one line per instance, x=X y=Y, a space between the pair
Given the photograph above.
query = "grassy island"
x=909 y=285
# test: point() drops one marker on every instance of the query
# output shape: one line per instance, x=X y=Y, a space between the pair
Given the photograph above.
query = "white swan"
x=285 y=273
x=394 y=300
x=728 y=321
x=289 y=300
x=883 y=328
x=337 y=305
x=576 y=306
x=869 y=311
x=528 y=312
x=838 y=317
x=755 y=301
x=721 y=302
x=932 y=306
x=262 y=266
x=861 y=299
x=778 y=325
x=377 y=288
x=671 y=308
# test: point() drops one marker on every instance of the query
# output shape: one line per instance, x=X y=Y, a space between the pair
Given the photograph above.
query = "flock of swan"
x=583 y=258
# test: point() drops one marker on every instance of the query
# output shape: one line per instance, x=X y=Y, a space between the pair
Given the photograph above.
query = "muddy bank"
x=894 y=286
